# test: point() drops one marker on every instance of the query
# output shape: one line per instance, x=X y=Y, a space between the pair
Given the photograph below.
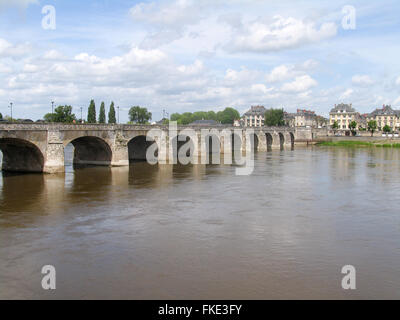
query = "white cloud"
x=282 y=33
x=398 y=81
x=244 y=75
x=309 y=65
x=259 y=87
x=53 y=55
x=301 y=83
x=345 y=95
x=172 y=15
x=17 y=3
x=30 y=68
x=397 y=101
x=196 y=68
x=362 y=80
x=4 y=68
x=280 y=73
x=13 y=51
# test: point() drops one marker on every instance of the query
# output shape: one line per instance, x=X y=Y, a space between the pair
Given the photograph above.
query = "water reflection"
x=195 y=231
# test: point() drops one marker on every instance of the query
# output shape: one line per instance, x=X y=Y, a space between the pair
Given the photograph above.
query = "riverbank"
x=358 y=143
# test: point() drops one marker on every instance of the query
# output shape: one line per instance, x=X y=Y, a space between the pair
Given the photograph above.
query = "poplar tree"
x=111 y=114
x=92 y=112
x=102 y=115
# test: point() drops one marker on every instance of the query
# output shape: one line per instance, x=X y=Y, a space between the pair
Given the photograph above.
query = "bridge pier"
x=289 y=141
x=54 y=162
x=54 y=159
x=120 y=151
x=262 y=142
x=276 y=141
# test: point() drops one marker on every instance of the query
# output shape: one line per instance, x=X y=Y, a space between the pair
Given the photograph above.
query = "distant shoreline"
x=349 y=143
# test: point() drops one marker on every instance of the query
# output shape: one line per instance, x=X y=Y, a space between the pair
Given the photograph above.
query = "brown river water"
x=200 y=232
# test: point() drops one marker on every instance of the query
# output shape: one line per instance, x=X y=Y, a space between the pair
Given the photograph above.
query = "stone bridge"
x=40 y=147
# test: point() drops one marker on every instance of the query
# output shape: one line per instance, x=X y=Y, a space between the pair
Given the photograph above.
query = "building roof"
x=204 y=122
x=384 y=111
x=305 y=112
x=342 y=107
x=161 y=121
x=256 y=111
x=287 y=115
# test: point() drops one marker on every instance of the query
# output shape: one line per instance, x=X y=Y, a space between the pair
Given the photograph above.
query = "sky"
x=200 y=55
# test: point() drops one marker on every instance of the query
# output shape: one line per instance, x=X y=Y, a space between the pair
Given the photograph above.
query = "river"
x=200 y=232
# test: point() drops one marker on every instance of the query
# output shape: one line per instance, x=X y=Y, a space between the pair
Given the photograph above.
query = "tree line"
x=64 y=114
x=138 y=115
x=227 y=116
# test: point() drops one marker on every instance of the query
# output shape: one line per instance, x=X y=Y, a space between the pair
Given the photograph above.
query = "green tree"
x=62 y=114
x=111 y=114
x=335 y=126
x=274 y=118
x=211 y=115
x=102 y=115
x=352 y=127
x=199 y=115
x=1 y=116
x=92 y=112
x=186 y=118
x=228 y=116
x=175 y=117
x=387 y=129
x=372 y=126
x=139 y=115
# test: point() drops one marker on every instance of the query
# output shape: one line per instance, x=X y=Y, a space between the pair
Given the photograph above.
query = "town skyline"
x=300 y=117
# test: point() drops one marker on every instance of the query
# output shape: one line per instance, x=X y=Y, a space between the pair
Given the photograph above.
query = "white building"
x=255 y=117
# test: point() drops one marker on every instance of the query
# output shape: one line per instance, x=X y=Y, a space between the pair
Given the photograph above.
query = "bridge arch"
x=281 y=139
x=291 y=139
x=182 y=149
x=20 y=155
x=254 y=142
x=137 y=148
x=269 y=139
x=236 y=142
x=213 y=148
x=91 y=150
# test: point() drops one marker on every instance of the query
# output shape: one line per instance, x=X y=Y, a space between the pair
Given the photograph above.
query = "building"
x=363 y=121
x=161 y=122
x=385 y=116
x=289 y=119
x=321 y=121
x=304 y=118
x=344 y=114
x=238 y=123
x=255 y=117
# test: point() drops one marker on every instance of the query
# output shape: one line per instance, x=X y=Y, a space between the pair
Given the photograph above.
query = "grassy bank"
x=345 y=144
x=358 y=144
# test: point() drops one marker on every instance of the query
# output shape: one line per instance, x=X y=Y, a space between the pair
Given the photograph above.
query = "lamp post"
x=11 y=107
x=81 y=115
x=118 y=114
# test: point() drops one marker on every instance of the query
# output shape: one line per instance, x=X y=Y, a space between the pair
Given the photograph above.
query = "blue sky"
x=187 y=55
